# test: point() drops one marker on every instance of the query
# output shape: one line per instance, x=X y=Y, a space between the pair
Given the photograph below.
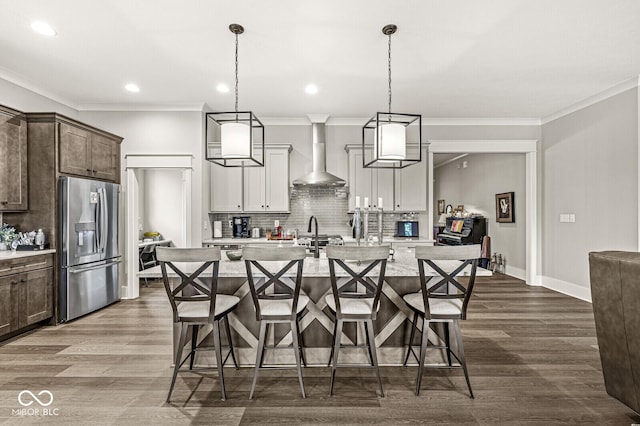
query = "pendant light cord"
x=236 y=77
x=389 y=77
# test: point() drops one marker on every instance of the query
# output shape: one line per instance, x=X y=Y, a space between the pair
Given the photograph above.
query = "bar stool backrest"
x=272 y=275
x=191 y=288
x=448 y=258
x=372 y=256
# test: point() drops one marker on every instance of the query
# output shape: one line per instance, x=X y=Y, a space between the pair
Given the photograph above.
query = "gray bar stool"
x=276 y=297
x=445 y=301
x=194 y=303
x=351 y=305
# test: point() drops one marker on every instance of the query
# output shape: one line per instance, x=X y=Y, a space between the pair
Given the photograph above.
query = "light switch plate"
x=567 y=217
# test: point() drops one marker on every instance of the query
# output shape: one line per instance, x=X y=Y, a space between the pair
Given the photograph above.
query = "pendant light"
x=234 y=139
x=384 y=137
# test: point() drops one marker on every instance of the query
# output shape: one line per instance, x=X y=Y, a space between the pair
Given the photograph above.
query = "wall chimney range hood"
x=319 y=175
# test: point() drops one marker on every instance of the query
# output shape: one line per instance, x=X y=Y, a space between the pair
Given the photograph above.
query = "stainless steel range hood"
x=319 y=175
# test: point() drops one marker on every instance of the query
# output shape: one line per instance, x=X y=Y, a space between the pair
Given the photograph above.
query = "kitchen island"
x=316 y=323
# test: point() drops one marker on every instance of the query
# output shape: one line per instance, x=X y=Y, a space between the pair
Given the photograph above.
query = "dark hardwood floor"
x=532 y=358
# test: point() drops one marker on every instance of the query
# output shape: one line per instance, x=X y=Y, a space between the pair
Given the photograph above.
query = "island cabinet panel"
x=13 y=161
x=85 y=153
x=26 y=292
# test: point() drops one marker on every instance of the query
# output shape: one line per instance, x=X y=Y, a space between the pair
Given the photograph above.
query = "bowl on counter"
x=234 y=254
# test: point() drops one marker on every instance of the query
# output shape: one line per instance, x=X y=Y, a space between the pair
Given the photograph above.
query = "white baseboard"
x=516 y=272
x=565 y=287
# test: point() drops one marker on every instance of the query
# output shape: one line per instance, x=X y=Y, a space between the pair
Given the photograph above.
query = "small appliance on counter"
x=407 y=229
x=241 y=226
x=255 y=233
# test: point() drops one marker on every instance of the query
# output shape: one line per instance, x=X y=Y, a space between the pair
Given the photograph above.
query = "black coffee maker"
x=241 y=227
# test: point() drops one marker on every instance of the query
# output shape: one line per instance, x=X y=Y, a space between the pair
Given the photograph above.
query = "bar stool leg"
x=447 y=340
x=413 y=326
x=228 y=330
x=366 y=334
x=259 y=356
x=463 y=361
x=296 y=352
x=194 y=343
x=218 y=349
x=337 y=337
x=333 y=341
x=301 y=344
x=423 y=352
x=372 y=351
x=178 y=358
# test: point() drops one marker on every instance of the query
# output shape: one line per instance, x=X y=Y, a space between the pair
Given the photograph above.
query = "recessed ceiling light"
x=311 y=89
x=43 y=28
x=132 y=87
x=222 y=88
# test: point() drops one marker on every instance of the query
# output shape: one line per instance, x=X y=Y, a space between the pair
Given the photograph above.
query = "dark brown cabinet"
x=86 y=153
x=13 y=160
x=26 y=292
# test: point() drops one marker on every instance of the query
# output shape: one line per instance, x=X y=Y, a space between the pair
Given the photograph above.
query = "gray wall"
x=475 y=187
x=16 y=97
x=590 y=169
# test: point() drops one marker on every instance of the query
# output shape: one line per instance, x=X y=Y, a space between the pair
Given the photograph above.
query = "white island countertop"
x=404 y=264
x=10 y=254
x=348 y=240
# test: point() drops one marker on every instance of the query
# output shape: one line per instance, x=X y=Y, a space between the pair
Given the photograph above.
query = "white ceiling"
x=464 y=58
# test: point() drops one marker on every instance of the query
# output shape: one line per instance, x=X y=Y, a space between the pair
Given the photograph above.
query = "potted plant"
x=7 y=236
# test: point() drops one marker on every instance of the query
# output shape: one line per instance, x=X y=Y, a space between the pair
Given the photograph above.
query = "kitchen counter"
x=348 y=240
x=404 y=264
x=10 y=254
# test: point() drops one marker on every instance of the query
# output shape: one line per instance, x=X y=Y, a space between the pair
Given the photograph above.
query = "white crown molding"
x=197 y=106
x=360 y=121
x=481 y=121
x=285 y=121
x=12 y=78
x=591 y=100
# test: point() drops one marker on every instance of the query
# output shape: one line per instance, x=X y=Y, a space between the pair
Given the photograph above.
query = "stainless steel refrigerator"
x=88 y=246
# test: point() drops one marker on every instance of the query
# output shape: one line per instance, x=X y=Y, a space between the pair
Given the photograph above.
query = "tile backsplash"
x=329 y=205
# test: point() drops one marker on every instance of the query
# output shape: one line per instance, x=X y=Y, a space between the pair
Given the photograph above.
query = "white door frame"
x=532 y=215
x=133 y=164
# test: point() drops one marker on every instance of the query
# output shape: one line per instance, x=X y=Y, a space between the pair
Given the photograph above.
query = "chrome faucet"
x=316 y=249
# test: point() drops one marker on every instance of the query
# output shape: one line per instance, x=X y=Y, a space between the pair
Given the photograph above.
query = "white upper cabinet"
x=253 y=189
x=368 y=182
x=226 y=189
x=400 y=189
x=411 y=185
x=277 y=180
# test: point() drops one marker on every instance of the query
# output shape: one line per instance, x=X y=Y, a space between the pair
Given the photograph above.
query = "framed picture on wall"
x=505 y=207
x=440 y=206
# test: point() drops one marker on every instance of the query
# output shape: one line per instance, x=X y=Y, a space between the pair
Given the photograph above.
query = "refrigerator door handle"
x=91 y=268
x=105 y=218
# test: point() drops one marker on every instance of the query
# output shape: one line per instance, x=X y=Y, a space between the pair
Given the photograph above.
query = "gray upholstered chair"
x=615 y=293
x=195 y=303
x=351 y=304
x=276 y=297
x=444 y=301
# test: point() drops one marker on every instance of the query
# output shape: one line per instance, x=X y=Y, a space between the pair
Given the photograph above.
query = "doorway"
x=529 y=149
x=144 y=173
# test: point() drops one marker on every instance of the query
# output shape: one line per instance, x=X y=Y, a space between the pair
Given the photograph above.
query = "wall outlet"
x=206 y=224
x=230 y=223
x=567 y=218
x=276 y=223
